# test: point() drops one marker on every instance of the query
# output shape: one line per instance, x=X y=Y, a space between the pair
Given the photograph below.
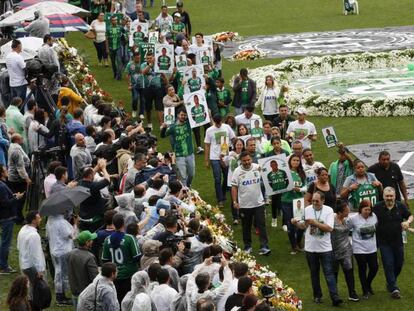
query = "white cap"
x=177 y=15
x=302 y=110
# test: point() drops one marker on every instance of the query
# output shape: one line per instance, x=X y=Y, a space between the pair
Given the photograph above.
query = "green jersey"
x=194 y=84
x=138 y=37
x=288 y=197
x=177 y=28
x=144 y=49
x=134 y=71
x=198 y=114
x=164 y=62
x=169 y=119
x=330 y=140
x=364 y=192
x=113 y=35
x=257 y=132
x=245 y=93
x=125 y=256
x=151 y=79
x=182 y=139
x=278 y=180
x=181 y=64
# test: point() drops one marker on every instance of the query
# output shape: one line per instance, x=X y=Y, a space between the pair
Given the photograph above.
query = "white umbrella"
x=46 y=8
x=30 y=46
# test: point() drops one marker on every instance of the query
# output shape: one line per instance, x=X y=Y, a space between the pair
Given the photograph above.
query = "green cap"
x=86 y=236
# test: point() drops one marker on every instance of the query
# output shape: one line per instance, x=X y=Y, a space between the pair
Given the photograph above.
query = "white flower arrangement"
x=350 y=105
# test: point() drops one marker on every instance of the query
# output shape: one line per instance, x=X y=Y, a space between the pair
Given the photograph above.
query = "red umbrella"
x=26 y=3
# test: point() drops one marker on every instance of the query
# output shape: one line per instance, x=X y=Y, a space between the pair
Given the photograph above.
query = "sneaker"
x=235 y=222
x=220 y=204
x=284 y=227
x=134 y=113
x=141 y=116
x=149 y=125
x=317 y=300
x=337 y=301
x=353 y=297
x=8 y=270
x=64 y=303
x=293 y=252
x=365 y=296
x=274 y=222
x=200 y=150
x=248 y=249
x=264 y=251
x=396 y=294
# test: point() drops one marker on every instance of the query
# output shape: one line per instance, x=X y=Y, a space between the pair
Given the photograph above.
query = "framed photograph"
x=144 y=49
x=164 y=58
x=169 y=115
x=329 y=136
x=204 y=56
x=165 y=27
x=256 y=128
x=276 y=174
x=197 y=109
x=299 y=209
x=153 y=37
x=138 y=31
x=194 y=78
x=181 y=62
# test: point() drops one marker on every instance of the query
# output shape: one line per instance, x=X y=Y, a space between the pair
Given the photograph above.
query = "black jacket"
x=7 y=202
x=95 y=204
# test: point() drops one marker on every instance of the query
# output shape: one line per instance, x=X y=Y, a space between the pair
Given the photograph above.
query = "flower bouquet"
x=250 y=54
x=226 y=36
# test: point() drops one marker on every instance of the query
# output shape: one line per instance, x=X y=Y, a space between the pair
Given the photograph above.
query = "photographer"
x=177 y=194
x=194 y=255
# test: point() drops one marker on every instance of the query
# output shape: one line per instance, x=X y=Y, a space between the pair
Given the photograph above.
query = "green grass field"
x=249 y=18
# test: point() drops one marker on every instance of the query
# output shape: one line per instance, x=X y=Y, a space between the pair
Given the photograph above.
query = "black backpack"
x=42 y=296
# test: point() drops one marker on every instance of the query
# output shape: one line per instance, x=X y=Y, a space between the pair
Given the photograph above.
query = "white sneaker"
x=134 y=113
x=200 y=150
x=284 y=228
x=141 y=116
x=150 y=125
x=274 y=222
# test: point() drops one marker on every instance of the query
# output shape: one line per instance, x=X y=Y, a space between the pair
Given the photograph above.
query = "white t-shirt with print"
x=249 y=194
x=316 y=240
x=241 y=119
x=301 y=131
x=310 y=170
x=213 y=137
x=364 y=240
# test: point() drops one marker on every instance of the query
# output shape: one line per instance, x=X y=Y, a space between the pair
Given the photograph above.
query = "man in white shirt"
x=247 y=196
x=213 y=154
x=16 y=67
x=163 y=295
x=31 y=258
x=301 y=129
x=310 y=165
x=47 y=54
x=319 y=223
x=246 y=117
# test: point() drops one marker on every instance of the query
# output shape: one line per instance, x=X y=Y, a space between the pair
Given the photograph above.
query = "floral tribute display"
x=359 y=75
x=250 y=54
x=226 y=36
x=78 y=72
x=284 y=298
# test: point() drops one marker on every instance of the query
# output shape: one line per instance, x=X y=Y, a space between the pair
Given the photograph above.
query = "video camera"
x=173 y=240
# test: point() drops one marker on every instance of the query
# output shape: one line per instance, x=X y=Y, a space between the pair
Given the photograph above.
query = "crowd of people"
x=137 y=242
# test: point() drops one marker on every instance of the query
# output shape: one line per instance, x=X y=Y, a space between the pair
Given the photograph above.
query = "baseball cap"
x=180 y=4
x=86 y=236
x=301 y=110
x=177 y=15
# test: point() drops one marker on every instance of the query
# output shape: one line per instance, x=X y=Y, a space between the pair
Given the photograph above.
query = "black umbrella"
x=63 y=201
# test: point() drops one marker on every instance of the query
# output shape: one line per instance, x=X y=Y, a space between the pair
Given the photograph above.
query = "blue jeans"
x=6 y=238
x=294 y=233
x=186 y=168
x=315 y=260
x=137 y=95
x=392 y=260
x=116 y=62
x=18 y=91
x=220 y=179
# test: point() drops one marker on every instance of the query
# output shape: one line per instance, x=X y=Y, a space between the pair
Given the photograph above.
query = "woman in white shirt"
x=364 y=245
x=268 y=99
x=98 y=26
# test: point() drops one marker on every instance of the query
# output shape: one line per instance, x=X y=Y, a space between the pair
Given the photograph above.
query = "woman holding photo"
x=364 y=245
x=322 y=184
x=268 y=99
x=299 y=188
x=232 y=161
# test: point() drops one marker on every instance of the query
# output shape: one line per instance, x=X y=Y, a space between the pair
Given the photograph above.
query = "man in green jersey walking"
x=121 y=249
x=277 y=179
x=113 y=46
x=182 y=142
x=198 y=112
x=223 y=97
x=136 y=84
x=164 y=61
